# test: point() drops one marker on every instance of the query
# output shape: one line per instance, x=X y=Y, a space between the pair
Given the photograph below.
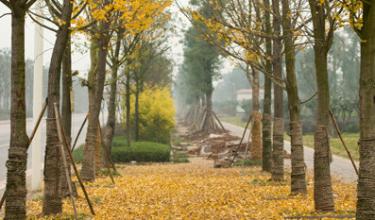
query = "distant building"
x=246 y=94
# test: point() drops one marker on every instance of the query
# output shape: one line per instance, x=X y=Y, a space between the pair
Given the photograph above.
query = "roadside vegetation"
x=140 y=151
x=351 y=139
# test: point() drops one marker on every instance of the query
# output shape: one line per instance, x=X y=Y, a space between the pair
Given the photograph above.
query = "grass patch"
x=351 y=140
x=142 y=151
x=180 y=157
x=247 y=163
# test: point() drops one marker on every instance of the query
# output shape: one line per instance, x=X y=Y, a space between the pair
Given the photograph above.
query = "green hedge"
x=142 y=151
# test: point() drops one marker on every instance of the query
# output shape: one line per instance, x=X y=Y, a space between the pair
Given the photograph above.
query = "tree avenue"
x=248 y=84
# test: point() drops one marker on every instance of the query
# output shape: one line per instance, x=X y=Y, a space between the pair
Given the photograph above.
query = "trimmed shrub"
x=142 y=151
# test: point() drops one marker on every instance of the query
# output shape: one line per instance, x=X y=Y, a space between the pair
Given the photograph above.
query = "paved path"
x=340 y=166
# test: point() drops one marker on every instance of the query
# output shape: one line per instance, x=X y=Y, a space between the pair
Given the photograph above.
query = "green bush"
x=142 y=151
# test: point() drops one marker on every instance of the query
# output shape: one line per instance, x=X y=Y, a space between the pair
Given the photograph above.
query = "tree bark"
x=298 y=175
x=366 y=190
x=53 y=171
x=96 y=88
x=136 y=108
x=256 y=130
x=267 y=118
x=323 y=196
x=127 y=105
x=15 y=206
x=66 y=108
x=278 y=121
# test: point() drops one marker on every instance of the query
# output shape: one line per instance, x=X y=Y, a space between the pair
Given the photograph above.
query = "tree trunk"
x=323 y=196
x=90 y=152
x=96 y=88
x=66 y=108
x=99 y=159
x=366 y=190
x=298 y=175
x=109 y=130
x=136 y=109
x=15 y=206
x=127 y=105
x=322 y=176
x=278 y=121
x=209 y=124
x=267 y=118
x=53 y=171
x=256 y=134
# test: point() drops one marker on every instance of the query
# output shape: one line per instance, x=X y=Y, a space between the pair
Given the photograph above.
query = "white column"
x=38 y=100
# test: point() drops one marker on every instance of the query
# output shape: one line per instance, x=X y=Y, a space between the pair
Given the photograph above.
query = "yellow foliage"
x=156 y=112
x=135 y=15
x=192 y=191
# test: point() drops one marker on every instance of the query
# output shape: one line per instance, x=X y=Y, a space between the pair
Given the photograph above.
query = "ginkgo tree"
x=136 y=16
x=258 y=42
x=15 y=208
x=361 y=16
x=324 y=16
x=239 y=30
x=201 y=62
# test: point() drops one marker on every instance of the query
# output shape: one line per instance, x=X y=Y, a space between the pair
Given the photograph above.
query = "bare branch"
x=6 y=3
x=3 y=15
x=42 y=25
x=30 y=3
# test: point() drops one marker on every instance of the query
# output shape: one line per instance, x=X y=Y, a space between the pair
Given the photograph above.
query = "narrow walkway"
x=340 y=166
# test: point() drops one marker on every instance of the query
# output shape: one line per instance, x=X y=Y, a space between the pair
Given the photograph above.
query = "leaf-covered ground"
x=195 y=191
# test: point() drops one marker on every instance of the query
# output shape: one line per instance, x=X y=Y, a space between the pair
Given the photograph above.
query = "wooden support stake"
x=105 y=153
x=63 y=156
x=342 y=141
x=38 y=122
x=3 y=199
x=218 y=120
x=67 y=146
x=79 y=133
x=36 y=127
x=242 y=138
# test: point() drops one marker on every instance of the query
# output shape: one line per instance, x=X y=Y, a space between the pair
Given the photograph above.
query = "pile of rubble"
x=222 y=148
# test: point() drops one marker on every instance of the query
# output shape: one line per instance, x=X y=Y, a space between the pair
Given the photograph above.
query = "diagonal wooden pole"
x=79 y=133
x=30 y=140
x=38 y=122
x=342 y=141
x=242 y=138
x=218 y=120
x=63 y=155
x=67 y=146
